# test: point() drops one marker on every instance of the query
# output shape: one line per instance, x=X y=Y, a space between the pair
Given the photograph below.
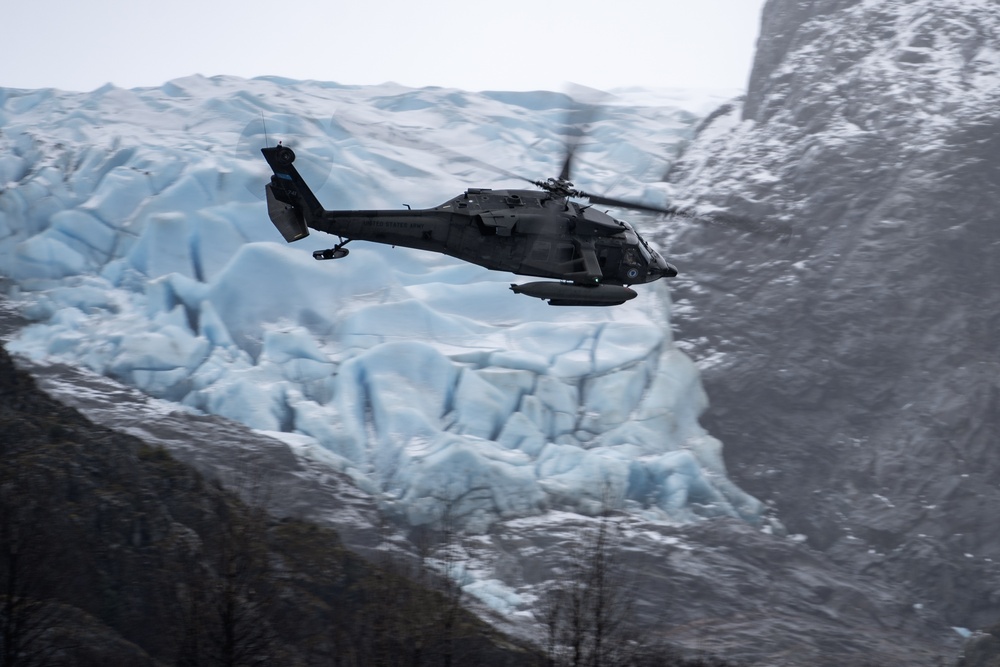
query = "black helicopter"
x=591 y=257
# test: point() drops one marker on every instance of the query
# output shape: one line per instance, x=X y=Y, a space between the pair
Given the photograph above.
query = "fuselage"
x=527 y=232
x=522 y=231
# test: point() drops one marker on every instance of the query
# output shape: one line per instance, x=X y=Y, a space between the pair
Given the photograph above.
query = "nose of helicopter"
x=663 y=269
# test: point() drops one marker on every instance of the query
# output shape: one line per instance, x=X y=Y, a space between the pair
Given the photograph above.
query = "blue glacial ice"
x=130 y=237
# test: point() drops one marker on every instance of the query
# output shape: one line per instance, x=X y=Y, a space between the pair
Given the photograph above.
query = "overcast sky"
x=510 y=44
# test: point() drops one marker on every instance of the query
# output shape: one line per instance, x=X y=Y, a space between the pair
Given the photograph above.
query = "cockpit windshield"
x=644 y=251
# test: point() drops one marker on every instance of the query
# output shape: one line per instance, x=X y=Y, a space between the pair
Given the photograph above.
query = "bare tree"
x=227 y=603
x=589 y=616
x=413 y=611
x=444 y=611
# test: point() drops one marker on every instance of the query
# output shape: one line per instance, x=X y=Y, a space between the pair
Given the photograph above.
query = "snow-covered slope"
x=870 y=128
x=135 y=241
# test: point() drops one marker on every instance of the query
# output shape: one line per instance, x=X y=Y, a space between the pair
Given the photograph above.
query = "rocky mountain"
x=850 y=368
x=854 y=367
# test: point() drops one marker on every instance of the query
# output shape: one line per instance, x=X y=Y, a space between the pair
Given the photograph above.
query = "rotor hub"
x=558 y=186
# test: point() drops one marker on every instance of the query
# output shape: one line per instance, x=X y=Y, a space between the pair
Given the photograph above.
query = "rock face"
x=854 y=371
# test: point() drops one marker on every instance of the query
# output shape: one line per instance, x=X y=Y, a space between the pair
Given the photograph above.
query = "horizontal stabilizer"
x=285 y=217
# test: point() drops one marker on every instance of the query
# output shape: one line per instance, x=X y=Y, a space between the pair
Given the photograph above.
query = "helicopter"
x=589 y=257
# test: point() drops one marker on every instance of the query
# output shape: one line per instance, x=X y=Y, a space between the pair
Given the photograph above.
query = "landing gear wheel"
x=331 y=253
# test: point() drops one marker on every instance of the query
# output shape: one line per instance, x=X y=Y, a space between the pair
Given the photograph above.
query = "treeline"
x=113 y=553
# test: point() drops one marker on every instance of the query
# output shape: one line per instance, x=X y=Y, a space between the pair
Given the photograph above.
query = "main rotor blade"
x=635 y=206
x=395 y=137
x=578 y=120
x=723 y=218
x=462 y=157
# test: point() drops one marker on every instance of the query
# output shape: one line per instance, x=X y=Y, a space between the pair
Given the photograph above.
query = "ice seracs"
x=139 y=252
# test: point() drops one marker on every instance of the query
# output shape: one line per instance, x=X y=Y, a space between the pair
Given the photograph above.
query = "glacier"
x=133 y=237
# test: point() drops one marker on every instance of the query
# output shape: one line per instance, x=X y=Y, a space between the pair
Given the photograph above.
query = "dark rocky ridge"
x=112 y=552
x=856 y=382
